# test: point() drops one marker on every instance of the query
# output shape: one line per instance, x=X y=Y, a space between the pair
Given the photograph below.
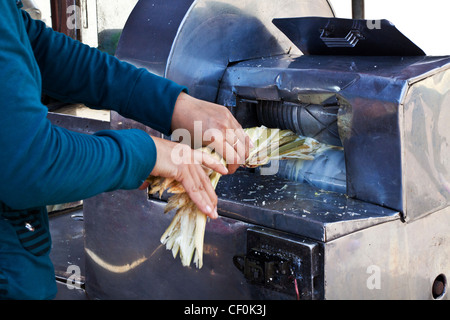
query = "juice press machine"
x=368 y=219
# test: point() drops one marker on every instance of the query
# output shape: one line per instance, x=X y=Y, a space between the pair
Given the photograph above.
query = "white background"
x=426 y=23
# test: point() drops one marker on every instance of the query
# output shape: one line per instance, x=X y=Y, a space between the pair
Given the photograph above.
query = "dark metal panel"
x=283 y=263
x=125 y=259
x=78 y=124
x=337 y=36
x=150 y=30
x=67 y=231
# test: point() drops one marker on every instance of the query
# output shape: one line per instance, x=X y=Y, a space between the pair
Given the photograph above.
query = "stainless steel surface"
x=67 y=231
x=325 y=172
x=150 y=30
x=385 y=237
x=371 y=92
x=227 y=31
x=295 y=207
x=125 y=260
x=79 y=124
x=393 y=260
x=223 y=31
x=67 y=255
x=425 y=143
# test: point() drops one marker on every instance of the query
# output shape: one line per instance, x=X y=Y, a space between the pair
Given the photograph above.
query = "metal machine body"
x=368 y=221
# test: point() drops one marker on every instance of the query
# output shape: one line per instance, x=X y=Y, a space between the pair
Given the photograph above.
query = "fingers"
x=237 y=144
x=234 y=155
x=199 y=188
x=237 y=149
x=210 y=162
x=186 y=166
x=219 y=129
x=236 y=140
x=233 y=146
x=242 y=137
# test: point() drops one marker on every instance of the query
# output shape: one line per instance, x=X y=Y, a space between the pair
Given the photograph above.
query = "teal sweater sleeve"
x=43 y=164
x=73 y=72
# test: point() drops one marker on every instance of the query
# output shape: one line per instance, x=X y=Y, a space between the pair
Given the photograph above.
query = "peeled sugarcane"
x=185 y=233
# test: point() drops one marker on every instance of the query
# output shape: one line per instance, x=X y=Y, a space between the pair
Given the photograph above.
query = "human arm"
x=74 y=72
x=42 y=164
x=80 y=71
x=101 y=81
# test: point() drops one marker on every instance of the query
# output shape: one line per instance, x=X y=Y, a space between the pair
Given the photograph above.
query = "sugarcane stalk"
x=185 y=233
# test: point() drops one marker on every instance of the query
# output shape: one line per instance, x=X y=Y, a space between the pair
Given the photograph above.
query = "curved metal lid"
x=149 y=32
x=195 y=41
x=215 y=34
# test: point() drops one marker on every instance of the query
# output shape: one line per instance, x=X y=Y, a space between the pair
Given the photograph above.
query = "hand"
x=185 y=165
x=219 y=129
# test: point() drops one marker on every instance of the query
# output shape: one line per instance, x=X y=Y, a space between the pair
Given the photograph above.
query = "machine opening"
x=314 y=116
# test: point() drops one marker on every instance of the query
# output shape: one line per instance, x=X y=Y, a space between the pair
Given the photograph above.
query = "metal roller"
x=311 y=120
